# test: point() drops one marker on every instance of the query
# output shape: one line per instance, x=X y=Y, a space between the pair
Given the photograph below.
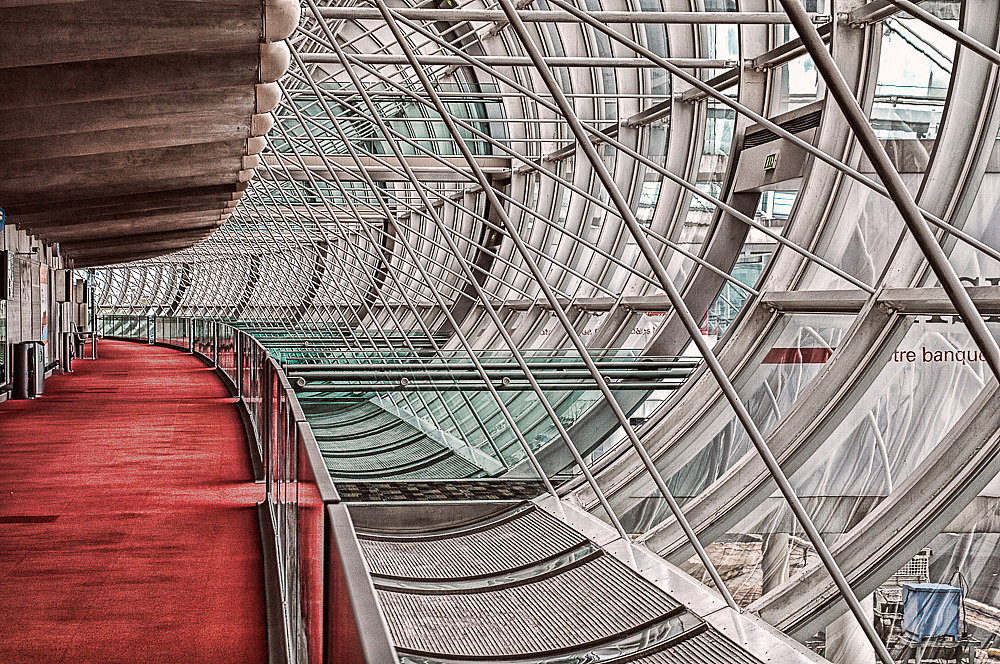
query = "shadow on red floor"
x=128 y=531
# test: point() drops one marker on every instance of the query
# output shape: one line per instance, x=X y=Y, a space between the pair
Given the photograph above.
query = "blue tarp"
x=931 y=609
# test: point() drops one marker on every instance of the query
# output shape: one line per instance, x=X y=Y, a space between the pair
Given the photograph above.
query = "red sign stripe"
x=797 y=355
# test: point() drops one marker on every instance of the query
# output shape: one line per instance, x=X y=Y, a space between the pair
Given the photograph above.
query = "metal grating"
x=510 y=544
x=380 y=491
x=709 y=647
x=592 y=602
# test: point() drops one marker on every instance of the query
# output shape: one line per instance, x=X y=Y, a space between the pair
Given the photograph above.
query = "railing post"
x=238 y=361
x=267 y=442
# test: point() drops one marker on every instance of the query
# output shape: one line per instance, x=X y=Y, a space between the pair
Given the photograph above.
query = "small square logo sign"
x=771 y=161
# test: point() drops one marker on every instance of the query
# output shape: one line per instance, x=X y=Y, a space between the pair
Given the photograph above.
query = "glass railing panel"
x=310 y=547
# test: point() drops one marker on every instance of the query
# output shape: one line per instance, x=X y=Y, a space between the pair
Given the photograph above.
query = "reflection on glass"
x=973 y=266
x=798 y=350
x=914 y=73
x=798 y=83
x=922 y=389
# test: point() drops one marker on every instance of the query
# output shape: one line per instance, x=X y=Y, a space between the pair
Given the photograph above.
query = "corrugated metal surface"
x=594 y=601
x=364 y=441
x=414 y=452
x=521 y=541
x=451 y=466
x=709 y=647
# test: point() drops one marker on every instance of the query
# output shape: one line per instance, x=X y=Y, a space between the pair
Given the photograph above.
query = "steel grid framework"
x=487 y=172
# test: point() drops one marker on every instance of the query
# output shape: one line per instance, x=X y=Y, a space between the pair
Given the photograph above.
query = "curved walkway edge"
x=128 y=526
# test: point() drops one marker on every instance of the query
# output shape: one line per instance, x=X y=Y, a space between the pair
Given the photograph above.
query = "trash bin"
x=39 y=373
x=29 y=370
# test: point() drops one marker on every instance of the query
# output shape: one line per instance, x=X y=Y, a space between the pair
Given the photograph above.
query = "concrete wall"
x=37 y=307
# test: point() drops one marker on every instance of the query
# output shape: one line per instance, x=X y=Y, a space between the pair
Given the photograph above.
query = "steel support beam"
x=545 y=16
x=518 y=61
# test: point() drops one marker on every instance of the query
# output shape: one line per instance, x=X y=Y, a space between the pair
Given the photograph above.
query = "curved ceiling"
x=132 y=129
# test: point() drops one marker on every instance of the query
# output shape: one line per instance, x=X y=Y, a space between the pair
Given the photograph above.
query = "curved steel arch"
x=343 y=236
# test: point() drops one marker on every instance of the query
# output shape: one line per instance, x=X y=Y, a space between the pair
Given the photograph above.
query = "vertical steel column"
x=238 y=360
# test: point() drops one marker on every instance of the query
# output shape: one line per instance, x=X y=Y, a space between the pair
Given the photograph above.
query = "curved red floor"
x=128 y=527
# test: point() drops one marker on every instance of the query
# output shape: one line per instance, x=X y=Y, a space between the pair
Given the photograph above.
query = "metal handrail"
x=353 y=629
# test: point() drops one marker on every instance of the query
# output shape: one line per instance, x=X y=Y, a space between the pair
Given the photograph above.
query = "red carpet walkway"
x=128 y=531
